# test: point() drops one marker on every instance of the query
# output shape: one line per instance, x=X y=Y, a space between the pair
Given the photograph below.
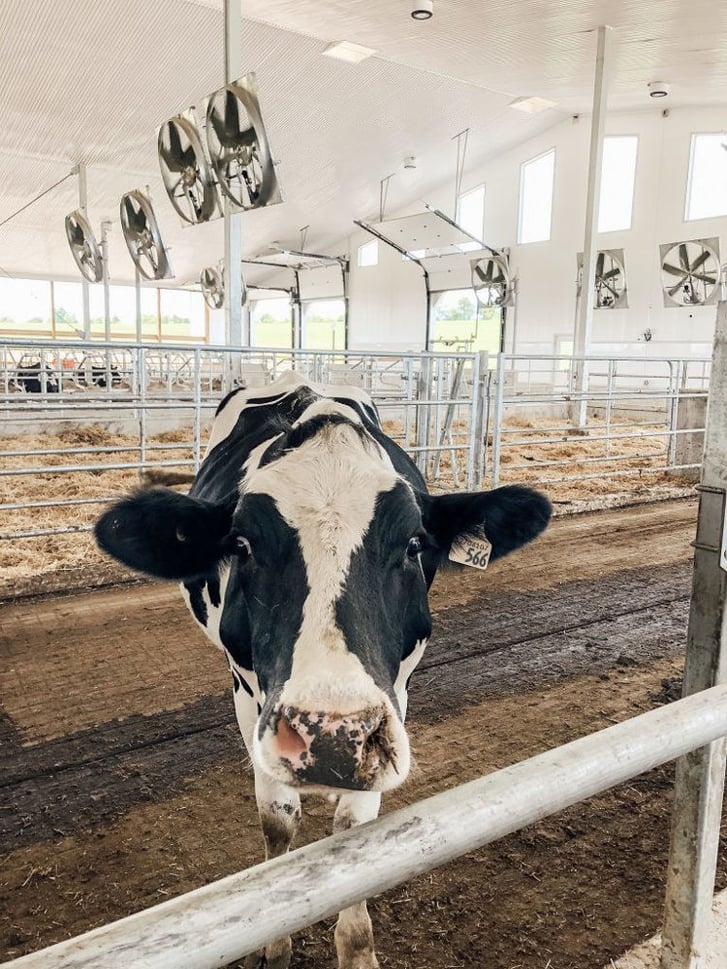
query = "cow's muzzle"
x=362 y=751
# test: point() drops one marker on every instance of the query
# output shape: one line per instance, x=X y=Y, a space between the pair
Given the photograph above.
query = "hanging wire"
x=36 y=199
x=27 y=205
x=461 y=139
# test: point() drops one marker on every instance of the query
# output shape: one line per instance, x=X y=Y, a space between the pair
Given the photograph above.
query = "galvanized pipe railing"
x=224 y=921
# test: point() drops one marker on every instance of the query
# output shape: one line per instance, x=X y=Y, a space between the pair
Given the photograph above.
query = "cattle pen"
x=232 y=917
x=107 y=414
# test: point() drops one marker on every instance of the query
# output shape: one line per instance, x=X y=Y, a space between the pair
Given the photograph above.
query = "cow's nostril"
x=289 y=742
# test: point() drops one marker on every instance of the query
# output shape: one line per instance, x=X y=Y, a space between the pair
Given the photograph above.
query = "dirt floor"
x=124 y=780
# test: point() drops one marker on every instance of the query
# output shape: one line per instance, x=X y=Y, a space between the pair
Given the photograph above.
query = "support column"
x=137 y=294
x=105 y=227
x=584 y=316
x=699 y=784
x=233 y=227
x=85 y=291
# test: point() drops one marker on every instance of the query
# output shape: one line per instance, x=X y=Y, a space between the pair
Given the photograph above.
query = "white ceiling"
x=92 y=80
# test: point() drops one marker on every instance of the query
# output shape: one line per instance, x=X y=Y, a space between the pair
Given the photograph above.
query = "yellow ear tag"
x=471 y=551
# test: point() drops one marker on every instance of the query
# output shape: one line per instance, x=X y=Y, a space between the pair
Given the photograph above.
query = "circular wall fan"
x=491 y=280
x=213 y=287
x=690 y=272
x=142 y=236
x=185 y=170
x=609 y=285
x=84 y=247
x=238 y=146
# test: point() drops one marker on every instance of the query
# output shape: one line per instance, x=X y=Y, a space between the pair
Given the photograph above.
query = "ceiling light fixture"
x=348 y=52
x=658 y=89
x=422 y=9
x=532 y=105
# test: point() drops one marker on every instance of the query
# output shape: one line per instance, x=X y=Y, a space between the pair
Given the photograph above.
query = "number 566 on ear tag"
x=471 y=551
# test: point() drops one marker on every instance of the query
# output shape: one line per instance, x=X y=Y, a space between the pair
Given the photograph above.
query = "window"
x=707 y=185
x=323 y=324
x=68 y=309
x=270 y=323
x=25 y=305
x=618 y=172
x=459 y=323
x=368 y=253
x=471 y=211
x=536 y=198
x=182 y=313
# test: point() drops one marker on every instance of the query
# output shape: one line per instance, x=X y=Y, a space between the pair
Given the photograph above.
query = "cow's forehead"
x=328 y=488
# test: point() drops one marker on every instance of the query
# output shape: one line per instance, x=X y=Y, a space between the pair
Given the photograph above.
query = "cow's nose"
x=331 y=749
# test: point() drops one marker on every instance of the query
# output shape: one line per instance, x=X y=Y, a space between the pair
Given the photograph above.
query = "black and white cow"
x=306 y=547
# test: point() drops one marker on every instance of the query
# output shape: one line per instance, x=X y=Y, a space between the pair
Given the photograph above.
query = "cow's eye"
x=242 y=547
x=414 y=547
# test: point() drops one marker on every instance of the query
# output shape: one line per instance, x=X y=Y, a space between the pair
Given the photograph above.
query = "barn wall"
x=387 y=305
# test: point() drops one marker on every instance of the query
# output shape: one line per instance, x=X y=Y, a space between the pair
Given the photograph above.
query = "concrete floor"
x=646 y=956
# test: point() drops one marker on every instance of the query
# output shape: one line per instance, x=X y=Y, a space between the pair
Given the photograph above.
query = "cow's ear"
x=509 y=517
x=165 y=534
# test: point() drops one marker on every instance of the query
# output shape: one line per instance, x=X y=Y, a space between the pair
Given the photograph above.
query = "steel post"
x=498 y=417
x=233 y=223
x=584 y=321
x=699 y=784
x=85 y=291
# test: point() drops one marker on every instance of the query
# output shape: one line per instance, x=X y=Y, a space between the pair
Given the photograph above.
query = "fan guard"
x=491 y=280
x=84 y=247
x=238 y=146
x=212 y=282
x=690 y=272
x=186 y=173
x=142 y=236
x=609 y=290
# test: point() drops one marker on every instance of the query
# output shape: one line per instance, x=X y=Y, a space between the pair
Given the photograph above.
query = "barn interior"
x=507 y=223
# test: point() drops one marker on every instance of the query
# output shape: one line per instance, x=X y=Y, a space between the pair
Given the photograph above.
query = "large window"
x=25 y=308
x=471 y=211
x=707 y=185
x=618 y=173
x=536 y=198
x=25 y=304
x=324 y=324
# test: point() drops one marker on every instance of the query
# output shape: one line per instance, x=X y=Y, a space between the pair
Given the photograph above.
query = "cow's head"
x=330 y=553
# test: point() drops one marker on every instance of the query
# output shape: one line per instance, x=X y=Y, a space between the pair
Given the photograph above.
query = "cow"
x=35 y=378
x=305 y=549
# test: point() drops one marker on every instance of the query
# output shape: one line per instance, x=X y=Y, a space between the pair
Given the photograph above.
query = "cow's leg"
x=279 y=810
x=354 y=935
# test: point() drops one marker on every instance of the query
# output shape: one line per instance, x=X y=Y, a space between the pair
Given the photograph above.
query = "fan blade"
x=479 y=272
x=611 y=273
x=704 y=278
x=232 y=117
x=599 y=263
x=684 y=256
x=673 y=271
x=674 y=288
x=77 y=236
x=700 y=260
x=611 y=289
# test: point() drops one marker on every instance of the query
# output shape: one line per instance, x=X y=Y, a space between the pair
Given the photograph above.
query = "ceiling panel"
x=90 y=81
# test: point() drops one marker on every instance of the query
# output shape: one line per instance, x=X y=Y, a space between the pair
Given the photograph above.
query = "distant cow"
x=30 y=378
x=306 y=548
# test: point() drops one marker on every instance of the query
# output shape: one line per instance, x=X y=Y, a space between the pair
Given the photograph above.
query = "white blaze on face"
x=326 y=490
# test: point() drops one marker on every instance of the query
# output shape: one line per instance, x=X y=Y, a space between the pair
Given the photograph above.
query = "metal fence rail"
x=466 y=420
x=637 y=415
x=224 y=921
x=432 y=405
